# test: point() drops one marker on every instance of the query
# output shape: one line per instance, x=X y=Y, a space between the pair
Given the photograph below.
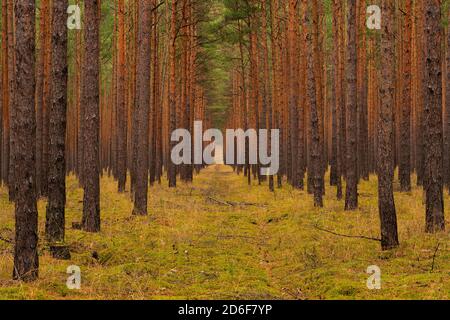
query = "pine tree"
x=55 y=219
x=351 y=197
x=433 y=148
x=26 y=261
x=143 y=106
x=405 y=139
x=385 y=159
x=90 y=98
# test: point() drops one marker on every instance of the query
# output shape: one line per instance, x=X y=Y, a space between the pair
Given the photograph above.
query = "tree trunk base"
x=60 y=252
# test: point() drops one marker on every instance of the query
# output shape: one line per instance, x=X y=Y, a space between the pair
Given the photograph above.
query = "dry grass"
x=262 y=246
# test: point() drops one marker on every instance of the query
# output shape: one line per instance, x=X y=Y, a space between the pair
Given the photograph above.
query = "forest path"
x=219 y=238
x=238 y=220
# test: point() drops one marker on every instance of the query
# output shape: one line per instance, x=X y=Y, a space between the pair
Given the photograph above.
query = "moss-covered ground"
x=221 y=239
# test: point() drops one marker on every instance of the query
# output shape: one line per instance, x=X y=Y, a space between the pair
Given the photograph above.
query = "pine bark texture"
x=405 y=139
x=351 y=197
x=26 y=261
x=433 y=138
x=91 y=65
x=143 y=106
x=386 y=205
x=55 y=219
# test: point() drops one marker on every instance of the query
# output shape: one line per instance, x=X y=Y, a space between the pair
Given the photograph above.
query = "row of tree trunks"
x=383 y=106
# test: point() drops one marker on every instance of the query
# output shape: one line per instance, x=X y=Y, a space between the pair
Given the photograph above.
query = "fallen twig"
x=434 y=256
x=249 y=204
x=225 y=203
x=235 y=204
x=346 y=235
x=234 y=237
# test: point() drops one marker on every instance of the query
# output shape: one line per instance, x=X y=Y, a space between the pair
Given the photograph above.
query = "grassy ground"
x=194 y=245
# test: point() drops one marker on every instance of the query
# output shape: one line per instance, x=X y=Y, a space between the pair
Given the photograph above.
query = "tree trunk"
x=351 y=197
x=46 y=97
x=338 y=101
x=388 y=217
x=11 y=91
x=55 y=219
x=362 y=166
x=293 y=92
x=405 y=141
x=172 y=172
x=26 y=261
x=447 y=109
x=143 y=106
x=91 y=65
x=433 y=174
x=4 y=165
x=39 y=93
x=121 y=103
x=316 y=150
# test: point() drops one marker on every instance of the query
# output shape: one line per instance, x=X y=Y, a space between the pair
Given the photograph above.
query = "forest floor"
x=221 y=239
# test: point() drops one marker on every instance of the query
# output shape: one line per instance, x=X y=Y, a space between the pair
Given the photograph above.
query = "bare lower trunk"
x=388 y=217
x=91 y=202
x=55 y=219
x=143 y=107
x=433 y=174
x=26 y=261
x=351 y=197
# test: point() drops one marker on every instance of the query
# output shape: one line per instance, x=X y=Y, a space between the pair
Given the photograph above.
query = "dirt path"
x=238 y=221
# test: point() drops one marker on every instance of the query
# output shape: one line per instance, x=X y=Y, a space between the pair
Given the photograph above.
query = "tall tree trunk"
x=388 y=217
x=143 y=106
x=338 y=101
x=316 y=150
x=121 y=102
x=172 y=172
x=293 y=92
x=405 y=141
x=43 y=13
x=46 y=96
x=447 y=102
x=267 y=99
x=420 y=88
x=11 y=90
x=80 y=106
x=362 y=166
x=351 y=197
x=26 y=261
x=91 y=65
x=4 y=165
x=433 y=174
x=55 y=219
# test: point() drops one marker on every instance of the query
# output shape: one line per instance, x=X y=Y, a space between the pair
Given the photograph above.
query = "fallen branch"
x=234 y=237
x=225 y=203
x=346 y=235
x=235 y=204
x=434 y=256
x=249 y=204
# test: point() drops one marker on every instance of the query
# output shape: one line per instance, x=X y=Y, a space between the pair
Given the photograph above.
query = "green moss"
x=265 y=247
